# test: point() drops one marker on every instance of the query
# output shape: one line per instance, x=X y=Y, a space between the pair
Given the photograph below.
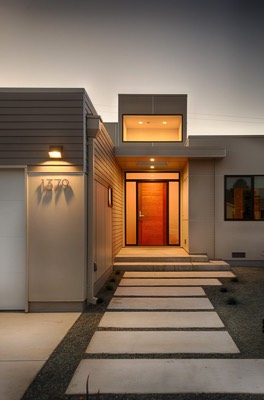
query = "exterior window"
x=152 y=128
x=244 y=198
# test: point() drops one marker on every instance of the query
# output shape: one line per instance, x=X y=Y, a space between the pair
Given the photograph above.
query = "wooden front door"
x=152 y=213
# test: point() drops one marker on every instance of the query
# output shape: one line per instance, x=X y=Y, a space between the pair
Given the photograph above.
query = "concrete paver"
x=161 y=342
x=160 y=303
x=170 y=282
x=27 y=341
x=153 y=319
x=16 y=376
x=159 y=291
x=179 y=274
x=169 y=376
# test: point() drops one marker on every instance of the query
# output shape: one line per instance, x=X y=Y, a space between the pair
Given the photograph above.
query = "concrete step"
x=179 y=274
x=142 y=376
x=162 y=258
x=161 y=342
x=172 y=266
x=160 y=303
x=161 y=319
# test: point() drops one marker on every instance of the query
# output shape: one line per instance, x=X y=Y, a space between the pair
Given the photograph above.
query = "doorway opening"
x=152 y=209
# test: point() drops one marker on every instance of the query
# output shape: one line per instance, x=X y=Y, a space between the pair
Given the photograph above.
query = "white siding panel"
x=12 y=239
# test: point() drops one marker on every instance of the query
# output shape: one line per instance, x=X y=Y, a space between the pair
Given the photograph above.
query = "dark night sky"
x=212 y=50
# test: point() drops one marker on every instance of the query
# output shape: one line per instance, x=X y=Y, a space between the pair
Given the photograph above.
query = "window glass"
x=244 y=198
x=152 y=128
x=259 y=197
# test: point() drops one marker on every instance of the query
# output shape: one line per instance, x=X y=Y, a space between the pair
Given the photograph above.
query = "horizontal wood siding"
x=31 y=120
x=108 y=173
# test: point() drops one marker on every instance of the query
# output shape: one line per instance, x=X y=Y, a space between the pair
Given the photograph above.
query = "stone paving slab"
x=179 y=274
x=160 y=303
x=170 y=282
x=161 y=342
x=15 y=377
x=169 y=376
x=197 y=319
x=159 y=291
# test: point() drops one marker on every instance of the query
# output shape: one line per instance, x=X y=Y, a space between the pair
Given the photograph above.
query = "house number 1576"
x=54 y=184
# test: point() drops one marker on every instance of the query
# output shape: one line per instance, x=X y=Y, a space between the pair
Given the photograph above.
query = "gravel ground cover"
x=243 y=319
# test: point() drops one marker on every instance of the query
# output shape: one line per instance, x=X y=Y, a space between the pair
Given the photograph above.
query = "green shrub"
x=100 y=300
x=109 y=286
x=113 y=279
x=234 y=279
x=223 y=289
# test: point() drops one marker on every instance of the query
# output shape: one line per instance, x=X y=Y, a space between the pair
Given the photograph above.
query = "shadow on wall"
x=45 y=194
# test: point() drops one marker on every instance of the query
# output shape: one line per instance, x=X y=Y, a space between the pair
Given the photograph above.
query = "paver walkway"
x=144 y=325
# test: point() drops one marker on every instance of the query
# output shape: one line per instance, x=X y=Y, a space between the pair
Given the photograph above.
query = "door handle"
x=140 y=214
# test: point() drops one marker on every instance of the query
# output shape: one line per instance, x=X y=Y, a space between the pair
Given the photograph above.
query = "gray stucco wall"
x=208 y=229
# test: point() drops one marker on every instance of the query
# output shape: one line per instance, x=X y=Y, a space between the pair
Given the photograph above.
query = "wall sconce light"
x=55 y=152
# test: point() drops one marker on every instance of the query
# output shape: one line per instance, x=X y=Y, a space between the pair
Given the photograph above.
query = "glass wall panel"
x=152 y=175
x=152 y=128
x=174 y=213
x=131 y=213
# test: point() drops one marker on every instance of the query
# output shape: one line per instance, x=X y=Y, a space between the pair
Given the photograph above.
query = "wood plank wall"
x=33 y=119
x=108 y=173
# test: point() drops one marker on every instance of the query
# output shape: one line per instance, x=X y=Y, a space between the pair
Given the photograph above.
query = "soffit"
x=144 y=163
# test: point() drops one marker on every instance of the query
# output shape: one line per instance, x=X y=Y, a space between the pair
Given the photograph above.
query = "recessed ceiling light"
x=152 y=167
x=152 y=159
x=164 y=122
x=140 y=122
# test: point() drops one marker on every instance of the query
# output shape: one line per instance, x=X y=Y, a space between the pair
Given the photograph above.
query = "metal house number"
x=54 y=184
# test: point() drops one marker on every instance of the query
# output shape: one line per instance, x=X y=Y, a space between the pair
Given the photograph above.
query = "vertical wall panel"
x=108 y=173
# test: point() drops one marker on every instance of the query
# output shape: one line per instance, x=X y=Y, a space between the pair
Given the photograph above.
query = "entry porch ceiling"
x=140 y=158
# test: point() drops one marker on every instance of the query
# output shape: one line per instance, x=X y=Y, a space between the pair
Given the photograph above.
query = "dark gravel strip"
x=243 y=321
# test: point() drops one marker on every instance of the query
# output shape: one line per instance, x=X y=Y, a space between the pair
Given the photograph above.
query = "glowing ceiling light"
x=140 y=122
x=164 y=122
x=152 y=159
x=152 y=167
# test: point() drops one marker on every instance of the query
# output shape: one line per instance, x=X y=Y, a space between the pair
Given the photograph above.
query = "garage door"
x=12 y=239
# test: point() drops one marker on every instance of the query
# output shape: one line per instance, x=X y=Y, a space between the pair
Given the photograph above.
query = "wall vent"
x=238 y=254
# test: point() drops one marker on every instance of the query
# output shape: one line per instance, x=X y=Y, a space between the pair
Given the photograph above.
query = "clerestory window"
x=152 y=128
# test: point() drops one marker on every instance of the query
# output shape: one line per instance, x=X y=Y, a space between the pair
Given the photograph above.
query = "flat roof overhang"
x=165 y=159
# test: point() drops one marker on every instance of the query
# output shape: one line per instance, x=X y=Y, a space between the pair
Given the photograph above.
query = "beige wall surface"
x=208 y=229
x=103 y=231
x=56 y=237
x=201 y=206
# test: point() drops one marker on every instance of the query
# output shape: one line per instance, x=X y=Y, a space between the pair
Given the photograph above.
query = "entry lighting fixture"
x=152 y=159
x=140 y=122
x=164 y=122
x=55 y=152
x=152 y=167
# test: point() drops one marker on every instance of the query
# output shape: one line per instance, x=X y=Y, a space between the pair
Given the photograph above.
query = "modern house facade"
x=139 y=182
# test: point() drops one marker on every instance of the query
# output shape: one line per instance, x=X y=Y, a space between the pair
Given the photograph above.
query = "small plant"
x=109 y=286
x=117 y=272
x=223 y=289
x=231 y=300
x=113 y=279
x=87 y=391
x=234 y=279
x=100 y=300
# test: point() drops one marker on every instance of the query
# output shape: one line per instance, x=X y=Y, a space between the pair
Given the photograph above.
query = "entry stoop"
x=165 y=259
